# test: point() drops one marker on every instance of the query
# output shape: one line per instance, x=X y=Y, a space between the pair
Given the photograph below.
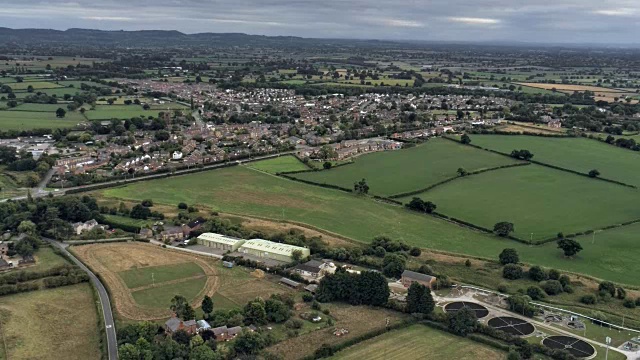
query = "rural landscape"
x=313 y=193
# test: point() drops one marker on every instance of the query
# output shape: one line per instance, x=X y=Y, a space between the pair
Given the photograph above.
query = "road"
x=110 y=329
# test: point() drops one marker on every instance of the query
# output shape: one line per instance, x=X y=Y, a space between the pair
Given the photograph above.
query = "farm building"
x=315 y=269
x=222 y=242
x=272 y=250
x=409 y=277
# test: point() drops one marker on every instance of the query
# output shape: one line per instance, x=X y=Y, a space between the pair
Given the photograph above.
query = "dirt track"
x=108 y=259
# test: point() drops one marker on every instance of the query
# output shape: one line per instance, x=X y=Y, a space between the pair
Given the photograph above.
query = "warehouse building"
x=271 y=250
x=220 y=242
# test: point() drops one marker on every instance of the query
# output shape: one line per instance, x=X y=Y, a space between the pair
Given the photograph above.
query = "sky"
x=537 y=21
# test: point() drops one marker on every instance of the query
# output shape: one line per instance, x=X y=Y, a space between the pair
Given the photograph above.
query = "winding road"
x=110 y=329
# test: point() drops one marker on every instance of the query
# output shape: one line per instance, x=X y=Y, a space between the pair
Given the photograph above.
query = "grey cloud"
x=612 y=21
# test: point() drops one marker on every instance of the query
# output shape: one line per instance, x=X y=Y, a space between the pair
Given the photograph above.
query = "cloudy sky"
x=544 y=21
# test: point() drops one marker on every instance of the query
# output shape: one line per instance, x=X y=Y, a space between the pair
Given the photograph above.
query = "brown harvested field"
x=57 y=323
x=529 y=129
x=238 y=286
x=357 y=319
x=570 y=88
x=108 y=260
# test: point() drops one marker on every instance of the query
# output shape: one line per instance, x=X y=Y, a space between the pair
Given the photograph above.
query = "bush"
x=294 y=324
x=467 y=263
x=512 y=272
x=588 y=299
x=306 y=297
x=415 y=251
x=503 y=288
x=536 y=273
x=607 y=287
x=554 y=274
x=629 y=304
x=552 y=287
x=183 y=206
x=535 y=293
x=568 y=289
x=564 y=280
x=638 y=301
x=509 y=256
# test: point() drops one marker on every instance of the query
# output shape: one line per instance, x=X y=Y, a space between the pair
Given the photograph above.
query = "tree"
x=361 y=187
x=327 y=165
x=249 y=343
x=535 y=293
x=552 y=287
x=462 y=322
x=182 y=206
x=522 y=154
x=255 y=313
x=326 y=152
x=621 y=293
x=147 y=203
x=594 y=173
x=509 y=256
x=27 y=227
x=140 y=212
x=296 y=255
x=61 y=112
x=277 y=311
x=128 y=352
x=419 y=299
x=393 y=265
x=512 y=272
x=607 y=287
x=207 y=305
x=418 y=204
x=465 y=139
x=180 y=306
x=462 y=172
x=503 y=228
x=569 y=246
x=520 y=304
x=536 y=273
x=204 y=352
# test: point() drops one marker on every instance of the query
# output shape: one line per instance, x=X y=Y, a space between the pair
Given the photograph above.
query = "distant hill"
x=162 y=38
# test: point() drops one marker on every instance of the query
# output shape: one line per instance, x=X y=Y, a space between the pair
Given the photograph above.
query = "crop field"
x=25 y=120
x=539 y=201
x=106 y=112
x=61 y=321
x=576 y=154
x=279 y=164
x=399 y=171
x=357 y=319
x=569 y=87
x=142 y=278
x=418 y=342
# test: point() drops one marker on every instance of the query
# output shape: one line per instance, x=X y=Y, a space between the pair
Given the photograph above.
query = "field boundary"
x=100 y=323
x=549 y=165
x=415 y=192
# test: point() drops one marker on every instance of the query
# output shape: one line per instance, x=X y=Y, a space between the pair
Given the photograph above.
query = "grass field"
x=51 y=108
x=160 y=296
x=61 y=321
x=158 y=274
x=37 y=85
x=124 y=220
x=279 y=164
x=576 y=154
x=106 y=112
x=400 y=171
x=418 y=342
x=25 y=120
x=539 y=201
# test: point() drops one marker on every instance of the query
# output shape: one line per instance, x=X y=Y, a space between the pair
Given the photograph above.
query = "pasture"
x=61 y=321
x=280 y=164
x=418 y=342
x=106 y=112
x=36 y=85
x=578 y=154
x=539 y=201
x=50 y=108
x=26 y=120
x=400 y=171
x=149 y=275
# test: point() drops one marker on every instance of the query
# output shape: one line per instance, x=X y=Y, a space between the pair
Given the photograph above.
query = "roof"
x=190 y=323
x=3 y=263
x=289 y=282
x=417 y=276
x=173 y=324
x=196 y=222
x=219 y=238
x=273 y=247
x=202 y=324
x=312 y=266
x=234 y=330
x=220 y=330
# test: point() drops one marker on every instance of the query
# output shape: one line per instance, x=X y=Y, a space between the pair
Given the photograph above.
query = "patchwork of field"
x=539 y=201
x=26 y=120
x=279 y=164
x=142 y=278
x=61 y=321
x=578 y=154
x=418 y=342
x=358 y=320
x=400 y=171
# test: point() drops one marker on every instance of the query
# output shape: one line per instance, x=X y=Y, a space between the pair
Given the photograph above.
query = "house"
x=177 y=155
x=223 y=333
x=555 y=124
x=81 y=227
x=193 y=225
x=4 y=247
x=409 y=277
x=315 y=269
x=146 y=233
x=174 y=324
x=202 y=325
x=172 y=234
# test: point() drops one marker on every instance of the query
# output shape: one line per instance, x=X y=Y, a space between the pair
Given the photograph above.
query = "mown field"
x=25 y=120
x=106 y=112
x=61 y=321
x=279 y=164
x=248 y=192
x=418 y=342
x=150 y=275
x=539 y=201
x=576 y=154
x=400 y=171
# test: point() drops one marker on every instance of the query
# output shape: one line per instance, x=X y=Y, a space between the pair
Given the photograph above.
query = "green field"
x=124 y=220
x=157 y=274
x=35 y=84
x=279 y=164
x=106 y=112
x=400 y=171
x=51 y=108
x=38 y=324
x=539 y=201
x=248 y=192
x=25 y=120
x=577 y=154
x=418 y=342
x=161 y=295
x=58 y=92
